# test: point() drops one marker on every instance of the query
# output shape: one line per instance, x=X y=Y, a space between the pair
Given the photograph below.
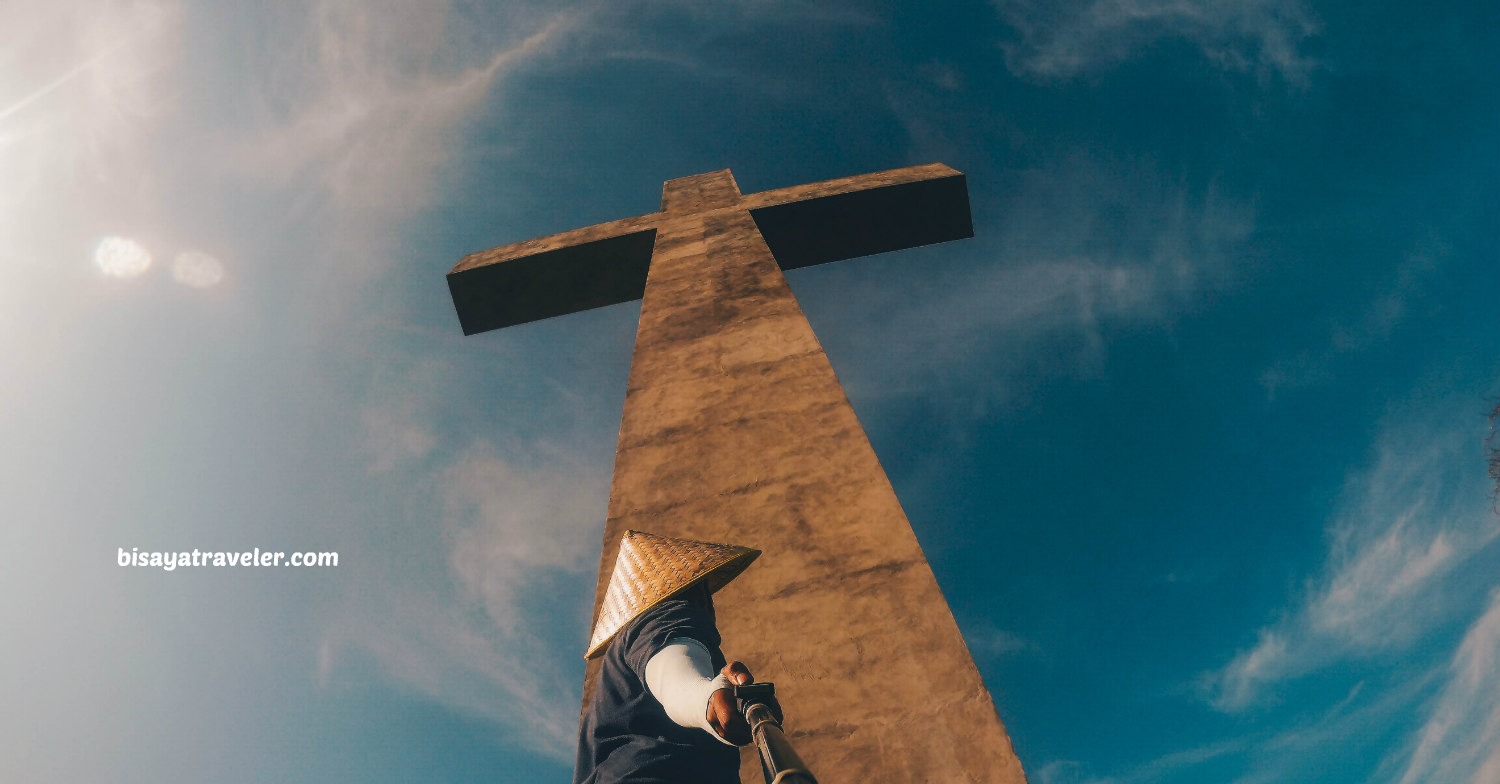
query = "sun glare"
x=197 y=269
x=119 y=257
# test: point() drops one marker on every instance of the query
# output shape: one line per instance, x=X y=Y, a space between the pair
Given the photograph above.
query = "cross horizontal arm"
x=553 y=276
x=860 y=216
x=606 y=264
x=844 y=185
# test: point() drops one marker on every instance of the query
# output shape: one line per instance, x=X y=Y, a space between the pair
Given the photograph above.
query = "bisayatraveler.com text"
x=169 y=561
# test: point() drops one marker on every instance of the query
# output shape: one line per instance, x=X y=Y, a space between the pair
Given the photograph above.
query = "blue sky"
x=1192 y=430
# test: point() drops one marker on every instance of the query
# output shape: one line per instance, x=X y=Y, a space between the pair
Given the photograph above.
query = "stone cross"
x=736 y=430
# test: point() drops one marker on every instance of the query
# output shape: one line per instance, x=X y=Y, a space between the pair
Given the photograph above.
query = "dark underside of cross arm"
x=865 y=222
x=552 y=283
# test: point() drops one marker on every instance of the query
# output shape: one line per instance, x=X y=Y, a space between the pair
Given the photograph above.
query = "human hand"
x=723 y=715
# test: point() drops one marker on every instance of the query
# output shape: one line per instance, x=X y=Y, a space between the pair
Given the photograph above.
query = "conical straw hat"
x=650 y=569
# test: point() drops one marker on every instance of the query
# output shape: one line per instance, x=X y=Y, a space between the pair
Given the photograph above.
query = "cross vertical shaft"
x=736 y=430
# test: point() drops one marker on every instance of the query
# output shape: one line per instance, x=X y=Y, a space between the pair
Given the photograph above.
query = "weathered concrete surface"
x=808 y=224
x=736 y=430
x=553 y=282
x=842 y=185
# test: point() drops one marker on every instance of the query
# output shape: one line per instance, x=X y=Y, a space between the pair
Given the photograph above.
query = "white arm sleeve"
x=681 y=677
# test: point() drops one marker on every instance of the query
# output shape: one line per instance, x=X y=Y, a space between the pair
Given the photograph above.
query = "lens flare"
x=119 y=257
x=197 y=269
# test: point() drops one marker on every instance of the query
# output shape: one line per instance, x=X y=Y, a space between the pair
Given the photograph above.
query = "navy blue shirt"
x=627 y=737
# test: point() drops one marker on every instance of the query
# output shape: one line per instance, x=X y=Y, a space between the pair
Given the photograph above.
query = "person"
x=663 y=710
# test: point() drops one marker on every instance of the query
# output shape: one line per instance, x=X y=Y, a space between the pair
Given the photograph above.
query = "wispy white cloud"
x=507 y=522
x=1064 y=40
x=987 y=641
x=1415 y=516
x=464 y=576
x=468 y=614
x=1241 y=679
x=1059 y=772
x=369 y=115
x=1085 y=248
x=1290 y=751
x=1375 y=322
x=1161 y=768
x=1460 y=741
x=322 y=126
x=394 y=438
